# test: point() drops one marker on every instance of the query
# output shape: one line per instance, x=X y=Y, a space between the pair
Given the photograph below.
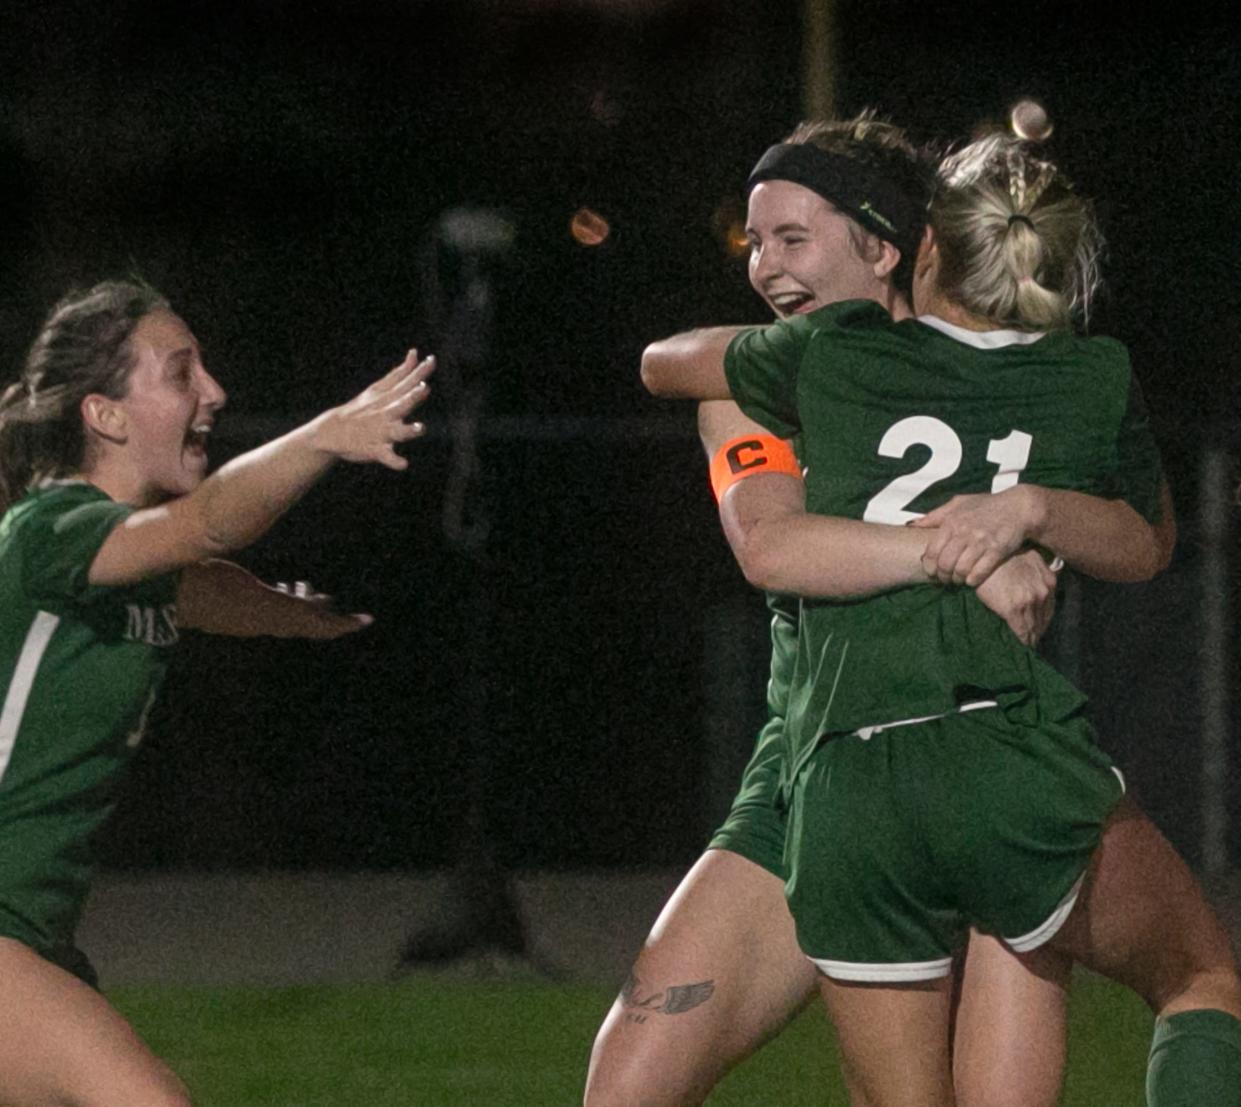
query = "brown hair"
x=884 y=147
x=83 y=347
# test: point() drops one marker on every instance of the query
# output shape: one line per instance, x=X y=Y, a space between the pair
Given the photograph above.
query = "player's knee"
x=1010 y=1095
x=606 y=1084
x=621 y=1076
x=1210 y=987
x=158 y=1088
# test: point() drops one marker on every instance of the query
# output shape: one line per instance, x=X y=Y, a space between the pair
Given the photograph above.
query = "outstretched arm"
x=239 y=502
x=689 y=365
x=219 y=597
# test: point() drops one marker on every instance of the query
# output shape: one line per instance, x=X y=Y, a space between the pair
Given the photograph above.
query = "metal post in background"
x=818 y=59
x=479 y=914
x=1214 y=507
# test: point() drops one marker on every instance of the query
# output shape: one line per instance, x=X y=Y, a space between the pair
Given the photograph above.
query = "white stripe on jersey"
x=37 y=638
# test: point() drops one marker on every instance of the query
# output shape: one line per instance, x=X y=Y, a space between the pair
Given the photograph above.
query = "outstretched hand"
x=974 y=534
x=316 y=618
x=369 y=426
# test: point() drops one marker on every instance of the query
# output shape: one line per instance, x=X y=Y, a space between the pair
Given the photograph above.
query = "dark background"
x=277 y=168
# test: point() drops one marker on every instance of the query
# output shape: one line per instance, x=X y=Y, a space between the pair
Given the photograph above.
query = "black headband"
x=856 y=189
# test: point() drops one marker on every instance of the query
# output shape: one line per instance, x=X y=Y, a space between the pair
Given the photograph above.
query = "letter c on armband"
x=751 y=456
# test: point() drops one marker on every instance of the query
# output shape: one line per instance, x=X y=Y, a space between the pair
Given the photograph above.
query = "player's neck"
x=951 y=312
x=118 y=483
x=897 y=305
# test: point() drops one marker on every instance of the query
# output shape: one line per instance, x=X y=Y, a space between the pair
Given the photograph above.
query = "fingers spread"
x=406 y=432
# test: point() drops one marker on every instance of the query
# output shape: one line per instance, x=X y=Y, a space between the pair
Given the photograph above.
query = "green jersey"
x=79 y=667
x=896 y=418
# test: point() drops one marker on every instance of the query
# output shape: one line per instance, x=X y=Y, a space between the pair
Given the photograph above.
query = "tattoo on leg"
x=674 y=1000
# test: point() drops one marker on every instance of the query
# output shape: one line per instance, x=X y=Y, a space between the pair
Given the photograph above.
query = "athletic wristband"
x=751 y=456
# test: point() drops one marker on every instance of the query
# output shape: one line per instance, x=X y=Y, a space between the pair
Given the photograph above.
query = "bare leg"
x=62 y=1045
x=895 y=1040
x=1009 y=1039
x=1142 y=920
x=720 y=974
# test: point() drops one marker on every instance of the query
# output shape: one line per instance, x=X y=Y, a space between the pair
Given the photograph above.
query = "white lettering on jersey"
x=1010 y=455
x=155 y=626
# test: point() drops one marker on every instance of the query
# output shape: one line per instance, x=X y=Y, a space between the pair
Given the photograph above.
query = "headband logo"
x=882 y=220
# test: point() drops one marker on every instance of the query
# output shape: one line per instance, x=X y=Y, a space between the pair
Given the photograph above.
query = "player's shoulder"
x=1099 y=365
x=845 y=315
x=41 y=511
x=1099 y=351
x=51 y=498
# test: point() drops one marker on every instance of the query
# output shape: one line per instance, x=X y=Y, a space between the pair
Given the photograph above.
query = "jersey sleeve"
x=59 y=542
x=1139 y=472
x=761 y=365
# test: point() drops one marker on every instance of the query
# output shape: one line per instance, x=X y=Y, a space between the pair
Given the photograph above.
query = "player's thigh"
x=1009 y=1037
x=893 y=1040
x=720 y=973
x=62 y=1044
x=1143 y=920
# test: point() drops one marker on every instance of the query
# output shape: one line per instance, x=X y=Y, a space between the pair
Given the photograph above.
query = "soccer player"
x=108 y=548
x=943 y=775
x=727 y=926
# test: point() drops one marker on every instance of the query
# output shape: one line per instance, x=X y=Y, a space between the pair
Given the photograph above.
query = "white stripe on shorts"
x=1046 y=930
x=868 y=732
x=884 y=972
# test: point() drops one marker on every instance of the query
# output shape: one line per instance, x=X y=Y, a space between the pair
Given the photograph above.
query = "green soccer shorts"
x=66 y=956
x=756 y=823
x=902 y=837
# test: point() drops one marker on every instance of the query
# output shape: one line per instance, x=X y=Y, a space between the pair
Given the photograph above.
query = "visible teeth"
x=790 y=301
x=205 y=428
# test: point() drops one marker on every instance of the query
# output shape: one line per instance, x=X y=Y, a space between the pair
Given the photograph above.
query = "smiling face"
x=168 y=410
x=804 y=254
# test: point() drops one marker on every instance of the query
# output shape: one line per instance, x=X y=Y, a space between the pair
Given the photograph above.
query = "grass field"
x=445 y=1042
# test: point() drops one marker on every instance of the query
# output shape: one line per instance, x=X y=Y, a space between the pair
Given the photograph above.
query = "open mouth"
x=196 y=439
x=791 y=303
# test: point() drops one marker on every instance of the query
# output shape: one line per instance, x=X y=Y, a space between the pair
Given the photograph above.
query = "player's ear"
x=105 y=417
x=889 y=258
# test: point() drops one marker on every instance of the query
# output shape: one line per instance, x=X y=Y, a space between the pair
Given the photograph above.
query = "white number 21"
x=1009 y=455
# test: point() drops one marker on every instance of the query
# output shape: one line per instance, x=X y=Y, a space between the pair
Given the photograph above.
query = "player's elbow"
x=760 y=561
x=1155 y=555
x=659 y=376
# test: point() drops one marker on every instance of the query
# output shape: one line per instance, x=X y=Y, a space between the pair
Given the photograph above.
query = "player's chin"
x=189 y=475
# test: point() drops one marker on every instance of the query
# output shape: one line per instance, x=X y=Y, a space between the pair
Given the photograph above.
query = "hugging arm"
x=1105 y=539
x=782 y=547
x=689 y=365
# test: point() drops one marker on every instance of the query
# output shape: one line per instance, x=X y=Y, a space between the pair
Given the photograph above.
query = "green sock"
x=1195 y=1061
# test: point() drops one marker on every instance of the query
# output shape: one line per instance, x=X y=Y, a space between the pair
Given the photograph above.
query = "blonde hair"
x=1017 y=245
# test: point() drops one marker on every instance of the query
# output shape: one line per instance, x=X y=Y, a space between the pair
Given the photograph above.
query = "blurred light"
x=728 y=223
x=1029 y=120
x=736 y=242
x=588 y=227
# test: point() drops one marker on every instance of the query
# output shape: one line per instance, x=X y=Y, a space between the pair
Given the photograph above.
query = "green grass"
x=441 y=1042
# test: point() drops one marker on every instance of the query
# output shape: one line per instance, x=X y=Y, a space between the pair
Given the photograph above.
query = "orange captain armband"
x=751 y=456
